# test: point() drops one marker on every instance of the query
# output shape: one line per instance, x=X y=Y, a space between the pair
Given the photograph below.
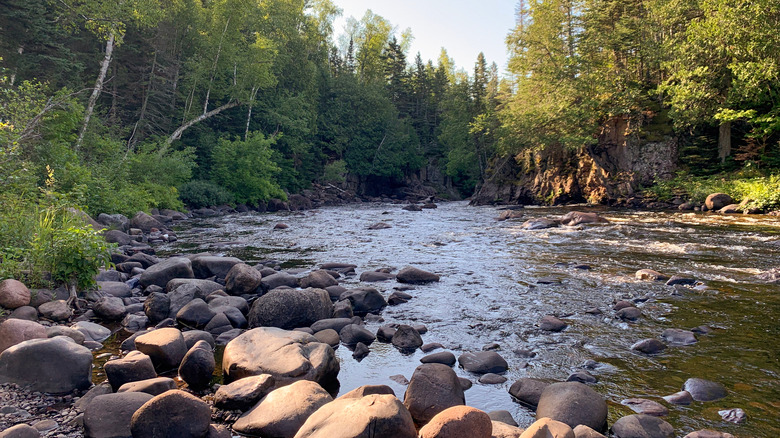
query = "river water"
x=489 y=293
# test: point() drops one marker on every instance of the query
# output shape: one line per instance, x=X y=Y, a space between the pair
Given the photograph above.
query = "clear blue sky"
x=463 y=27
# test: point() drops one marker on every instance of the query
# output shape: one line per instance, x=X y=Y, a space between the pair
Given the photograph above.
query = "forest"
x=119 y=107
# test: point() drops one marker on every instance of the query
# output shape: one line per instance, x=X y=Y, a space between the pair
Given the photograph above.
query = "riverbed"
x=490 y=292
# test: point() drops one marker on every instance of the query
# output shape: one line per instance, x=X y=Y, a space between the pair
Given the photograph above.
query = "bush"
x=199 y=194
x=335 y=172
x=760 y=192
x=246 y=168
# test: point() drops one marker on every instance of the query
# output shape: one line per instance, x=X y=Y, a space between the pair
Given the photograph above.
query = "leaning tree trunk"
x=177 y=134
x=724 y=141
x=97 y=90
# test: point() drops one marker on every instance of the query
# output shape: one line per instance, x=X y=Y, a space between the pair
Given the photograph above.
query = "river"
x=489 y=293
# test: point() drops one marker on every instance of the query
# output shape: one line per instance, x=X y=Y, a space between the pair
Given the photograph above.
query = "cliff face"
x=622 y=160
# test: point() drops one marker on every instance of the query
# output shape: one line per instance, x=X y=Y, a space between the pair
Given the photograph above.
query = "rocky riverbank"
x=280 y=329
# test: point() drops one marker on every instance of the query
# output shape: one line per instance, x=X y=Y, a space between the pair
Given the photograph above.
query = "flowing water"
x=489 y=293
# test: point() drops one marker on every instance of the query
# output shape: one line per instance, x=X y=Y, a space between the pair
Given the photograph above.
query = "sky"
x=463 y=27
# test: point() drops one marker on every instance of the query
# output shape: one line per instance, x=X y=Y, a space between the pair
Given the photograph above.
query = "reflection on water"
x=489 y=293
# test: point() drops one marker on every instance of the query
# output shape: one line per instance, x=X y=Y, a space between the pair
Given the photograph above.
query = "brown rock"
x=503 y=430
x=434 y=387
x=547 y=428
x=459 y=422
x=13 y=294
x=375 y=415
x=14 y=331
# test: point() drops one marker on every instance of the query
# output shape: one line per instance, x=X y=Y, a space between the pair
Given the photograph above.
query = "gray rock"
x=115 y=289
x=385 y=333
x=629 y=313
x=161 y=273
x=642 y=426
x=442 y=357
x=244 y=393
x=157 y=307
x=213 y=266
x=109 y=416
x=679 y=337
x=735 y=415
x=110 y=308
x=365 y=300
x=165 y=346
x=332 y=323
x=155 y=386
x=328 y=336
x=550 y=323
x=131 y=368
x=433 y=388
x=379 y=415
x=352 y=334
x=540 y=224
x=406 y=339
x=197 y=367
x=61 y=365
x=649 y=346
x=195 y=314
x=645 y=406
x=279 y=279
x=20 y=431
x=528 y=391
x=319 y=279
x=145 y=222
x=230 y=301
x=375 y=276
x=492 y=379
x=28 y=313
x=502 y=416
x=683 y=281
x=582 y=377
x=60 y=330
x=704 y=390
x=172 y=414
x=573 y=403
x=679 y=398
x=415 y=276
x=203 y=288
x=119 y=237
x=91 y=331
x=361 y=350
x=483 y=362
x=191 y=337
x=290 y=308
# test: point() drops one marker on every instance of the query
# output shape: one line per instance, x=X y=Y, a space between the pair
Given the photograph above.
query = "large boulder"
x=114 y=221
x=213 y=266
x=119 y=237
x=172 y=414
x=109 y=415
x=165 y=346
x=704 y=390
x=195 y=314
x=197 y=367
x=279 y=279
x=20 y=431
x=319 y=279
x=145 y=222
x=157 y=307
x=131 y=368
x=379 y=415
x=573 y=403
x=55 y=365
x=244 y=393
x=286 y=355
x=364 y=300
x=204 y=287
x=407 y=339
x=91 y=331
x=242 y=279
x=110 y=308
x=283 y=411
x=528 y=391
x=483 y=362
x=458 y=422
x=414 y=275
x=716 y=201
x=642 y=426
x=57 y=310
x=290 y=308
x=117 y=289
x=161 y=273
x=548 y=428
x=353 y=334
x=503 y=430
x=14 y=331
x=13 y=294
x=433 y=388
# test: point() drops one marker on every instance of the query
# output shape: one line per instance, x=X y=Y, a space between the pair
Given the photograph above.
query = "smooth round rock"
x=433 y=388
x=60 y=365
x=528 y=391
x=172 y=414
x=165 y=346
x=14 y=331
x=483 y=362
x=548 y=428
x=109 y=415
x=13 y=294
x=406 y=338
x=20 y=431
x=290 y=308
x=131 y=368
x=373 y=415
x=414 y=275
x=197 y=366
x=458 y=422
x=704 y=390
x=244 y=393
x=550 y=323
x=679 y=337
x=155 y=386
x=649 y=346
x=645 y=406
x=573 y=403
x=642 y=426
x=58 y=310
x=442 y=357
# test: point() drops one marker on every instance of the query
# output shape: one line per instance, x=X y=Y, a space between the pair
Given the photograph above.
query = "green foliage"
x=335 y=172
x=245 y=168
x=758 y=192
x=200 y=193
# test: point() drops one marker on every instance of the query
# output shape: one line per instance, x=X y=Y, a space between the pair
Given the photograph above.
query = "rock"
x=379 y=226
x=226 y=337
x=91 y=331
x=406 y=339
x=583 y=431
x=111 y=275
x=366 y=390
x=573 y=403
x=242 y=279
x=442 y=357
x=361 y=351
x=352 y=334
x=503 y=430
x=649 y=274
x=375 y=276
x=13 y=294
x=244 y=393
x=114 y=221
x=509 y=214
x=492 y=379
x=60 y=365
x=528 y=391
x=213 y=266
x=110 y=308
x=398 y=297
x=649 y=346
x=220 y=323
x=290 y=308
x=328 y=336
x=279 y=279
x=379 y=415
x=642 y=426
x=540 y=224
x=413 y=275
x=548 y=428
x=197 y=366
x=119 y=237
x=203 y=288
x=155 y=386
x=502 y=416
x=131 y=368
x=145 y=260
x=679 y=398
x=582 y=377
x=20 y=431
x=706 y=433
x=134 y=323
x=109 y=415
x=465 y=383
x=573 y=218
x=319 y=279
x=679 y=337
x=716 y=201
x=645 y=406
x=60 y=330
x=550 y=323
x=433 y=388
x=161 y=273
x=412 y=207
x=684 y=281
x=191 y=337
x=630 y=313
x=165 y=346
x=385 y=333
x=483 y=362
x=195 y=314
x=145 y=222
x=230 y=301
x=157 y=307
x=704 y=390
x=28 y=313
x=365 y=300
x=735 y=415
x=331 y=323
x=286 y=355
x=117 y=289
x=172 y=414
x=283 y=411
x=458 y=422
x=15 y=331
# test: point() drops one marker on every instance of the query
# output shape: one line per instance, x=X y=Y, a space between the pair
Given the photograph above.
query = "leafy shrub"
x=335 y=172
x=199 y=193
x=760 y=192
x=246 y=168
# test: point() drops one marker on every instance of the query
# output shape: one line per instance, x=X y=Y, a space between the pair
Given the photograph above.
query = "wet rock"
x=548 y=428
x=483 y=362
x=573 y=218
x=492 y=379
x=213 y=266
x=165 y=346
x=399 y=379
x=318 y=279
x=442 y=357
x=145 y=222
x=244 y=393
x=109 y=415
x=649 y=274
x=242 y=279
x=642 y=426
x=110 y=308
x=414 y=275
x=172 y=414
x=286 y=355
x=629 y=313
x=704 y=390
x=352 y=334
x=328 y=336
x=13 y=294
x=426 y=348
x=197 y=366
x=195 y=314
x=279 y=279
x=432 y=389
x=406 y=339
x=289 y=308
x=528 y=391
x=465 y=383
x=61 y=365
x=91 y=331
x=283 y=411
x=582 y=377
x=573 y=403
x=679 y=398
x=645 y=406
x=509 y=214
x=374 y=276
x=157 y=307
x=706 y=433
x=135 y=323
x=15 y=331
x=281 y=226
x=155 y=386
x=550 y=323
x=365 y=300
x=412 y=207
x=540 y=224
x=332 y=323
x=379 y=226
x=649 y=346
x=385 y=333
x=503 y=416
x=679 y=337
x=398 y=297
x=583 y=431
x=380 y=415
x=716 y=201
x=20 y=431
x=131 y=368
x=161 y=273
x=622 y=304
x=683 y=281
x=458 y=422
x=361 y=351
x=735 y=415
